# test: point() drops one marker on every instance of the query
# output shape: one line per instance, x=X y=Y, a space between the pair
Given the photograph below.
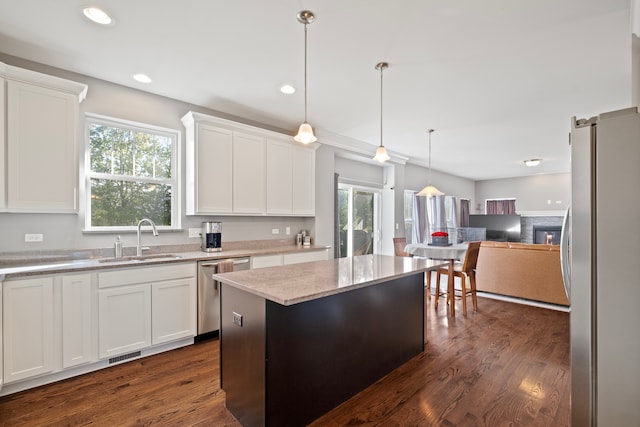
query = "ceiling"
x=498 y=80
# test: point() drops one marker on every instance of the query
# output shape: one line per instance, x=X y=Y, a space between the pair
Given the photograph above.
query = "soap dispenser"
x=117 y=248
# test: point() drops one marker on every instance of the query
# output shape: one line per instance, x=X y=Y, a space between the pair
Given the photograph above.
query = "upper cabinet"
x=237 y=169
x=42 y=128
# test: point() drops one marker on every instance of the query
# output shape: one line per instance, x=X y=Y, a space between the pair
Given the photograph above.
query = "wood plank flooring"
x=505 y=365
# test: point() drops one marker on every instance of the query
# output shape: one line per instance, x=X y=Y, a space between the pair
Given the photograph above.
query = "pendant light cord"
x=305 y=72
x=381 y=71
x=430 y=130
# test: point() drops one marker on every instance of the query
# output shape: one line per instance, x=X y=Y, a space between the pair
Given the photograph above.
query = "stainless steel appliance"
x=209 y=292
x=600 y=247
x=211 y=235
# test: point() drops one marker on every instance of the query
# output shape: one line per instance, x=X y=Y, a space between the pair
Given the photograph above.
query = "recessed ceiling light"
x=97 y=15
x=142 y=78
x=287 y=89
x=532 y=162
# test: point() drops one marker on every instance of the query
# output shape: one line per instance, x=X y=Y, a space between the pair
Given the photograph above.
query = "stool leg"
x=463 y=294
x=472 y=279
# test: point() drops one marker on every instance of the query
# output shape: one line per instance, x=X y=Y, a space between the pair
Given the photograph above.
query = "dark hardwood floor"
x=505 y=365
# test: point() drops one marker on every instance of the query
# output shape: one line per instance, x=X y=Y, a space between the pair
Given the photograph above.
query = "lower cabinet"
x=46 y=325
x=145 y=306
x=124 y=322
x=28 y=339
x=77 y=319
x=264 y=261
x=173 y=314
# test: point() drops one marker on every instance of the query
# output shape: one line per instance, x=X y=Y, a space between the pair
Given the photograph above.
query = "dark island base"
x=288 y=365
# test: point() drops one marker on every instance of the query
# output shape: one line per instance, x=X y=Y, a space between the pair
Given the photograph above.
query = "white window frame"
x=377 y=214
x=174 y=181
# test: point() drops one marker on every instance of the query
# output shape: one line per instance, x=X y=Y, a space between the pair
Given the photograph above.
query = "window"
x=409 y=196
x=500 y=206
x=131 y=173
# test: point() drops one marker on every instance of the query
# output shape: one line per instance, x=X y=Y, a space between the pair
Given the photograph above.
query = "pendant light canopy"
x=305 y=132
x=430 y=190
x=381 y=153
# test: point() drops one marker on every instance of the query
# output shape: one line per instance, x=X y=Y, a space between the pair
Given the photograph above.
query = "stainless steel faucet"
x=153 y=227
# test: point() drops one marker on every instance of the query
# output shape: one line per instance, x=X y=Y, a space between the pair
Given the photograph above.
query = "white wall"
x=534 y=194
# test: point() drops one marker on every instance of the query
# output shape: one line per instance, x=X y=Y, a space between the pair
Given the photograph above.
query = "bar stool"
x=465 y=271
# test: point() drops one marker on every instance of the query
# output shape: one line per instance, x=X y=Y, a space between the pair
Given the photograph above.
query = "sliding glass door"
x=358 y=220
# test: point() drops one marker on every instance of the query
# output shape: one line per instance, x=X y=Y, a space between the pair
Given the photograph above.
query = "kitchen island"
x=296 y=341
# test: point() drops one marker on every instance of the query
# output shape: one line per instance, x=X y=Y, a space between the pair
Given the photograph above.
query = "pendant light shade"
x=305 y=132
x=430 y=190
x=381 y=153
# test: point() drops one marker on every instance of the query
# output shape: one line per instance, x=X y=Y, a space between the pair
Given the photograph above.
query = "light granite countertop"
x=18 y=266
x=292 y=284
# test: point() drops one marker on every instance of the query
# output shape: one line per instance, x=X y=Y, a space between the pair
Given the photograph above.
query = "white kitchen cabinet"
x=173 y=313
x=290 y=179
x=249 y=169
x=3 y=142
x=28 y=328
x=264 y=261
x=77 y=319
x=42 y=128
x=209 y=183
x=264 y=172
x=279 y=178
x=124 y=319
x=144 y=306
x=298 y=257
x=303 y=161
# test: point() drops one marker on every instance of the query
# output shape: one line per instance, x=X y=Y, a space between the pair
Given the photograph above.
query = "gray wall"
x=534 y=194
x=65 y=231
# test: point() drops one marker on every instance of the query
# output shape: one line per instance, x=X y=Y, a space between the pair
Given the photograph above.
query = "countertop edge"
x=229 y=279
x=91 y=264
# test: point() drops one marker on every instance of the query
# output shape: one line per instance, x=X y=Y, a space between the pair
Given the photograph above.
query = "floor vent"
x=124 y=357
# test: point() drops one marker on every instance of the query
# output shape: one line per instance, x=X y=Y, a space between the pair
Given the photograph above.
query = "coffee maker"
x=211 y=235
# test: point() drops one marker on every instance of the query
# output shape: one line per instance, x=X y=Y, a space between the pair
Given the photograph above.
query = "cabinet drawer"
x=133 y=275
x=266 y=261
x=299 y=257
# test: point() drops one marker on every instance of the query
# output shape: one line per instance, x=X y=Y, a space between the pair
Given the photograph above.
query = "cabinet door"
x=174 y=310
x=279 y=178
x=41 y=146
x=76 y=320
x=265 y=261
x=299 y=257
x=249 y=169
x=304 y=179
x=3 y=142
x=28 y=328
x=124 y=323
x=210 y=189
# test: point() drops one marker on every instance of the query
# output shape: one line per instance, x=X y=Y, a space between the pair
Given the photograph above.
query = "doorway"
x=358 y=220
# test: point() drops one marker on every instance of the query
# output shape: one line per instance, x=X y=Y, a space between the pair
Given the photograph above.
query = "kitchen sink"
x=154 y=257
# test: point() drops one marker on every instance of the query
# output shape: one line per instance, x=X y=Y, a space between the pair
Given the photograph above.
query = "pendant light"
x=381 y=153
x=305 y=133
x=430 y=190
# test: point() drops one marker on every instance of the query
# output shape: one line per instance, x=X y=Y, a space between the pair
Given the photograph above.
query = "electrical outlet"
x=237 y=319
x=275 y=231
x=33 y=237
x=287 y=231
x=194 y=233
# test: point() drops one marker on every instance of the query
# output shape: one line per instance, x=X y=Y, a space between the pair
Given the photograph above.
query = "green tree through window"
x=131 y=174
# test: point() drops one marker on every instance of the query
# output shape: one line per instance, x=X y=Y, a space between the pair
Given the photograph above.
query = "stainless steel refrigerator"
x=601 y=248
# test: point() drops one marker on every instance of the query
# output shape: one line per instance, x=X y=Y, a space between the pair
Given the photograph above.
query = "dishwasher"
x=209 y=293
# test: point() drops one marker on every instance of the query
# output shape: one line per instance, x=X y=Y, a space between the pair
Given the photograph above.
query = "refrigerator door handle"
x=565 y=255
